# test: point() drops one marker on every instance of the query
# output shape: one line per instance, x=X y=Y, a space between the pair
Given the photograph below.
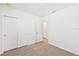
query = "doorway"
x=45 y=32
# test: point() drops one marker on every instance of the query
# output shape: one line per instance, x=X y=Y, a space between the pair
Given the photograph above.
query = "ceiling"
x=41 y=9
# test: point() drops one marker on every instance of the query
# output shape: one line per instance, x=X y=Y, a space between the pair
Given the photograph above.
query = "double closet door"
x=9 y=33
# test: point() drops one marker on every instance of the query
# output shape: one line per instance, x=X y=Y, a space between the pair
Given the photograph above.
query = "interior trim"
x=63 y=48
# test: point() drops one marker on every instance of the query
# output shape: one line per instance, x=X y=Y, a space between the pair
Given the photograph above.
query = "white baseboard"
x=34 y=42
x=63 y=48
x=29 y=44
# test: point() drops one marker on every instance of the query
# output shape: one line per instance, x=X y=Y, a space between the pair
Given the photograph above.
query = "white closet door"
x=27 y=32
x=0 y=38
x=38 y=30
x=9 y=33
x=0 y=35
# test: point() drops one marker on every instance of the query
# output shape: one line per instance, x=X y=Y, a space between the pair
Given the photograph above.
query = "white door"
x=0 y=35
x=0 y=38
x=27 y=32
x=38 y=30
x=9 y=33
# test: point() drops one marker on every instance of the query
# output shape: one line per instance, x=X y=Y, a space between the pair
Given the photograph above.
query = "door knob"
x=4 y=35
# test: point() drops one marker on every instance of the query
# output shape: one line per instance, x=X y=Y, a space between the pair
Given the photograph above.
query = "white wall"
x=28 y=26
x=63 y=28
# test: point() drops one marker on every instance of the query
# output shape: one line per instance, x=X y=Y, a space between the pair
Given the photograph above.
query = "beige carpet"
x=38 y=49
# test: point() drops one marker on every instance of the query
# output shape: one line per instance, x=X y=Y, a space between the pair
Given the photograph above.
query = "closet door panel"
x=27 y=32
x=9 y=33
x=0 y=35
